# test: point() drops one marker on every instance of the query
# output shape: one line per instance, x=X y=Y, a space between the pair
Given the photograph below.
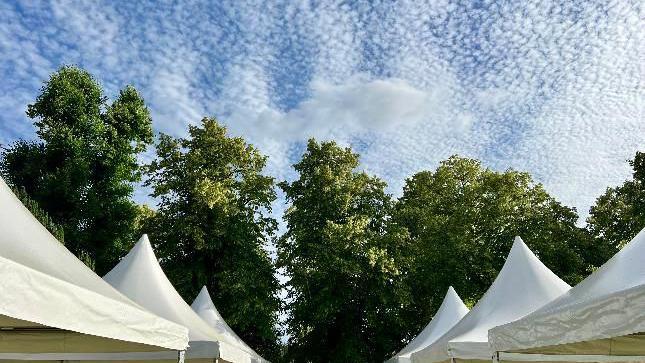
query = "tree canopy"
x=462 y=219
x=213 y=226
x=81 y=168
x=342 y=260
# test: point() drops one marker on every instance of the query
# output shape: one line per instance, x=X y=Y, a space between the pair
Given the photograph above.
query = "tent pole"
x=181 y=354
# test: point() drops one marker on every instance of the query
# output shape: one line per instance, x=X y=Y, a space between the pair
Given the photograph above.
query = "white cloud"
x=378 y=105
x=171 y=103
x=356 y=105
x=552 y=88
x=346 y=111
x=579 y=143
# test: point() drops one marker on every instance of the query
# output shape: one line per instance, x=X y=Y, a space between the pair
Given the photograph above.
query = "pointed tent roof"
x=45 y=285
x=608 y=303
x=205 y=308
x=140 y=277
x=452 y=309
x=522 y=285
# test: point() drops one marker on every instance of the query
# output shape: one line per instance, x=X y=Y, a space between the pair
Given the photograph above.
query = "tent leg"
x=496 y=357
x=181 y=354
x=452 y=360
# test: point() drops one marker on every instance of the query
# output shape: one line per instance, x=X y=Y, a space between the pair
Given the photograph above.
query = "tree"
x=462 y=219
x=81 y=169
x=619 y=214
x=213 y=225
x=342 y=257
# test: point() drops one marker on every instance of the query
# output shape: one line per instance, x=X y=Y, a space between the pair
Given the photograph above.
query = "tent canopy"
x=452 y=310
x=205 y=308
x=603 y=315
x=54 y=306
x=140 y=277
x=523 y=285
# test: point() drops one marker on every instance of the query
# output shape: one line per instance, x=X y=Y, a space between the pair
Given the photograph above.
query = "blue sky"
x=553 y=88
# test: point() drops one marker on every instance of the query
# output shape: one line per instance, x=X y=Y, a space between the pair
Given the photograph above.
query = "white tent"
x=601 y=319
x=53 y=307
x=205 y=308
x=140 y=277
x=452 y=309
x=523 y=285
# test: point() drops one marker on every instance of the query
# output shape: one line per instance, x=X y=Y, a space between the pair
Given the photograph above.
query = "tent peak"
x=203 y=299
x=204 y=307
x=622 y=271
x=142 y=250
x=144 y=240
x=522 y=261
x=452 y=293
x=140 y=277
x=614 y=291
x=519 y=244
x=452 y=301
x=520 y=251
x=522 y=285
x=452 y=309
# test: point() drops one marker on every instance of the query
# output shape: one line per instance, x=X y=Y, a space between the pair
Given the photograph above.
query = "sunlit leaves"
x=213 y=225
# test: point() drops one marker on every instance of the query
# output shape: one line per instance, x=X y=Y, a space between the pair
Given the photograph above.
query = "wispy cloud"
x=554 y=88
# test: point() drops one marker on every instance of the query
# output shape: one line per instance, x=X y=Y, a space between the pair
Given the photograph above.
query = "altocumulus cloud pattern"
x=553 y=88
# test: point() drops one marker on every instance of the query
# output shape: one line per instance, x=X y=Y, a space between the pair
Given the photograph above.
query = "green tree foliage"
x=82 y=167
x=342 y=258
x=462 y=219
x=213 y=225
x=141 y=222
x=619 y=214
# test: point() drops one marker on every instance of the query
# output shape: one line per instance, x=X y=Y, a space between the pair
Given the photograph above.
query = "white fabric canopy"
x=53 y=306
x=452 y=309
x=523 y=285
x=140 y=277
x=595 y=318
x=205 y=308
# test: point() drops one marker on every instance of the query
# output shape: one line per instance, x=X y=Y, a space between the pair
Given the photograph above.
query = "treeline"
x=366 y=271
